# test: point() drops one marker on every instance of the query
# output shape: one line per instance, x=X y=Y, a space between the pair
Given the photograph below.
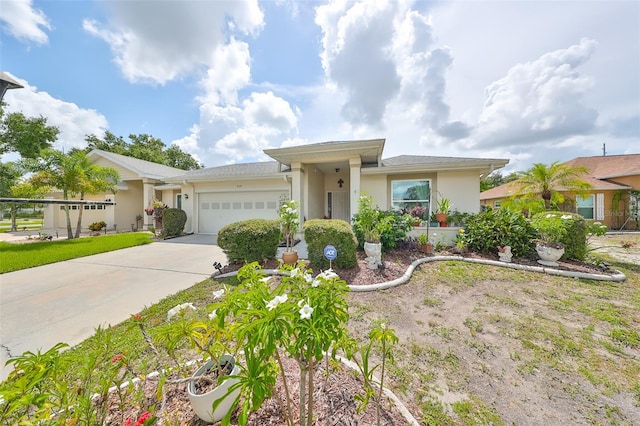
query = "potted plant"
x=373 y=225
x=444 y=205
x=289 y=223
x=425 y=244
x=551 y=232
x=418 y=213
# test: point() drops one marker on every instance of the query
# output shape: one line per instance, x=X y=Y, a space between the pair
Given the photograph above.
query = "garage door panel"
x=217 y=210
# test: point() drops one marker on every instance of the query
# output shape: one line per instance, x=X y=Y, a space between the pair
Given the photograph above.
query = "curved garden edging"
x=616 y=277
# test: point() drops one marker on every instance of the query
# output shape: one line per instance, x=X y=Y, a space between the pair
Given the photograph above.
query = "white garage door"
x=217 y=209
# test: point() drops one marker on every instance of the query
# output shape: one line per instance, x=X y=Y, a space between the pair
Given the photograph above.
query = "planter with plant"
x=444 y=205
x=210 y=392
x=372 y=224
x=418 y=213
x=289 y=224
x=425 y=244
x=552 y=231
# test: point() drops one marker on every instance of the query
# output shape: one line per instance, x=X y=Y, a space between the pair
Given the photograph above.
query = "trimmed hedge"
x=488 y=230
x=250 y=240
x=173 y=221
x=319 y=233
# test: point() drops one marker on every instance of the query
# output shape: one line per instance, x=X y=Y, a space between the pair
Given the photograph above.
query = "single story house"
x=615 y=195
x=326 y=178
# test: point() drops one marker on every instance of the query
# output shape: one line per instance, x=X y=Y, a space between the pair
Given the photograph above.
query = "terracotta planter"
x=203 y=403
x=549 y=255
x=290 y=257
x=441 y=217
x=427 y=248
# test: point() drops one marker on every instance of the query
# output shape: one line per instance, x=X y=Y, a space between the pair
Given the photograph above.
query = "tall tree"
x=23 y=189
x=68 y=173
x=546 y=182
x=496 y=179
x=25 y=135
x=110 y=143
x=144 y=147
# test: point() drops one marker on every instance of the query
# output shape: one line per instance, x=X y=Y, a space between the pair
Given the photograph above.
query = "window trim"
x=592 y=206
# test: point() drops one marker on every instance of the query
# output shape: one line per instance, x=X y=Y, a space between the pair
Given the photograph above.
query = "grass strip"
x=22 y=256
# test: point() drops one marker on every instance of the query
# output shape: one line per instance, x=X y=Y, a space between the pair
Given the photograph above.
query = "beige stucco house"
x=327 y=180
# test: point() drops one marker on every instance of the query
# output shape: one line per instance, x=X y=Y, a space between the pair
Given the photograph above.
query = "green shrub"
x=319 y=233
x=373 y=225
x=488 y=230
x=173 y=221
x=97 y=226
x=250 y=240
x=570 y=229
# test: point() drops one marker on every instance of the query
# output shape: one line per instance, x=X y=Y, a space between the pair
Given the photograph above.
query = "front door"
x=338 y=205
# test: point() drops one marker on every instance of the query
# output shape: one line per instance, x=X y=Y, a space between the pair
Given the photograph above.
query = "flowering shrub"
x=488 y=230
x=567 y=229
x=418 y=211
x=289 y=222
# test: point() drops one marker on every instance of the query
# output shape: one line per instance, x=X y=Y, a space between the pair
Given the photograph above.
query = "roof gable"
x=142 y=168
x=609 y=166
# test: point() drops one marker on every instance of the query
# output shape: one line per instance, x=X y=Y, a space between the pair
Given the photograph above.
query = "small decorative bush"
x=97 y=226
x=319 y=233
x=400 y=225
x=250 y=240
x=569 y=229
x=373 y=225
x=173 y=221
x=488 y=230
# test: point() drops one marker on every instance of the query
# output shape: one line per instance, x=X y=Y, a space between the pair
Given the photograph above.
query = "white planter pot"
x=549 y=255
x=202 y=404
x=374 y=254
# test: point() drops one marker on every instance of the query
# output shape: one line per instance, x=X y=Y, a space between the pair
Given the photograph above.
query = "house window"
x=496 y=204
x=406 y=194
x=585 y=206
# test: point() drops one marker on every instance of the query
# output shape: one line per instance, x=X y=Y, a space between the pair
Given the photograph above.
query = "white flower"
x=265 y=279
x=218 y=294
x=326 y=275
x=566 y=216
x=178 y=308
x=294 y=272
x=306 y=311
x=308 y=278
x=276 y=301
x=315 y=283
x=213 y=314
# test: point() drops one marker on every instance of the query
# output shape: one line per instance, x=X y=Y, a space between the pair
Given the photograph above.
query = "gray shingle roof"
x=234 y=170
x=416 y=160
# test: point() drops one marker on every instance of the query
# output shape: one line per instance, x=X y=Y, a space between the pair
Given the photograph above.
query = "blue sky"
x=524 y=80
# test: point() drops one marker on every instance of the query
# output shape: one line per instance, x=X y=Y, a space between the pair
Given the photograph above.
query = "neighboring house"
x=327 y=180
x=141 y=182
x=614 y=198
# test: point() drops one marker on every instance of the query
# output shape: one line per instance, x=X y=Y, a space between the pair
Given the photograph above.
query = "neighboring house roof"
x=609 y=166
x=600 y=168
x=143 y=168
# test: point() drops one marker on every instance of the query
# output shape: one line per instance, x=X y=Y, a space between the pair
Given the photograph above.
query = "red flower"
x=137 y=317
x=117 y=358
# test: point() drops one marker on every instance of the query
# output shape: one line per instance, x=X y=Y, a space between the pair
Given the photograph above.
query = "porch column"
x=354 y=177
x=110 y=213
x=297 y=188
x=50 y=215
x=148 y=195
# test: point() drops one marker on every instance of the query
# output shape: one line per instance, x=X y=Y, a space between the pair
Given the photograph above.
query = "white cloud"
x=23 y=22
x=268 y=110
x=157 y=42
x=539 y=100
x=229 y=72
x=73 y=122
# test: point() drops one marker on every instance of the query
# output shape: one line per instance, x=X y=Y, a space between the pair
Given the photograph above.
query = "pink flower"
x=117 y=358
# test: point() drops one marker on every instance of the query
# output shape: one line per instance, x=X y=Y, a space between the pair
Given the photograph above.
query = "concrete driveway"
x=66 y=301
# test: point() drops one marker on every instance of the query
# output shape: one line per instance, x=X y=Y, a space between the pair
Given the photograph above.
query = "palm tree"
x=547 y=182
x=72 y=174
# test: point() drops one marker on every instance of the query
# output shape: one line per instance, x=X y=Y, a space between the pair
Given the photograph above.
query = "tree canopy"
x=25 y=135
x=546 y=182
x=496 y=179
x=144 y=147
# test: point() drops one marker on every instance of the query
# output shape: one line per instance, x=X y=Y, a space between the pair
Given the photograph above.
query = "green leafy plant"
x=444 y=205
x=97 y=226
x=488 y=230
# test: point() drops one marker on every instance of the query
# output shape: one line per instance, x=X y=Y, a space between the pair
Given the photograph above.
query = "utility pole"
x=604 y=149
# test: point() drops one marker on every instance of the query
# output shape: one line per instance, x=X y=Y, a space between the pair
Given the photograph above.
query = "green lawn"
x=21 y=256
x=5 y=225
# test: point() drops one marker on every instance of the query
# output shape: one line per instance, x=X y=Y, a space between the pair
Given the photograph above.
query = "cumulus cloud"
x=21 y=20
x=356 y=56
x=539 y=100
x=229 y=71
x=157 y=42
x=73 y=122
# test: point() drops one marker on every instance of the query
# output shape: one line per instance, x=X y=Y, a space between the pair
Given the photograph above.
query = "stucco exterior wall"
x=375 y=186
x=462 y=188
